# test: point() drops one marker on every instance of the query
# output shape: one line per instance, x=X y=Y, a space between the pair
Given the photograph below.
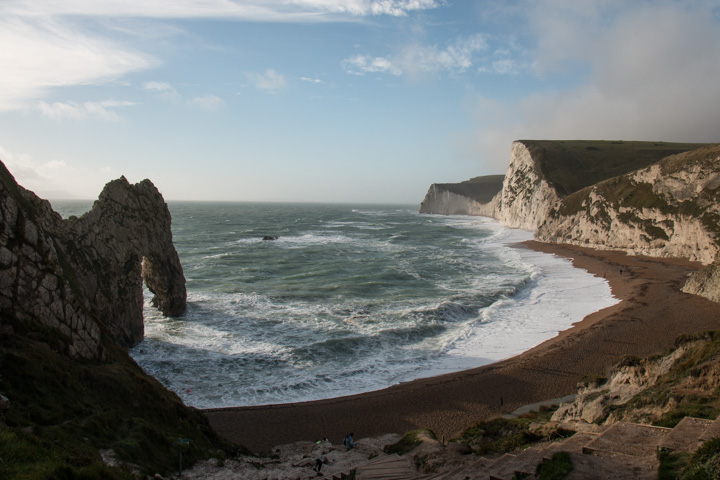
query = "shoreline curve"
x=651 y=313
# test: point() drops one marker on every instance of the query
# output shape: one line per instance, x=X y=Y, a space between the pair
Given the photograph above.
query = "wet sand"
x=652 y=313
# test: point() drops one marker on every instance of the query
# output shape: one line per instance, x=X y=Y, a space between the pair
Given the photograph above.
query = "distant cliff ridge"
x=470 y=197
x=652 y=198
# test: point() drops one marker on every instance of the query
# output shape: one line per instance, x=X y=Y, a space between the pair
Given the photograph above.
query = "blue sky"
x=337 y=101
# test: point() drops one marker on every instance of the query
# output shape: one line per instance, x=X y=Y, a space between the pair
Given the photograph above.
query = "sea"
x=347 y=299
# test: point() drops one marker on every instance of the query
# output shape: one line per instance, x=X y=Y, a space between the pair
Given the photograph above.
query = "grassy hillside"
x=66 y=413
x=622 y=193
x=63 y=412
x=570 y=165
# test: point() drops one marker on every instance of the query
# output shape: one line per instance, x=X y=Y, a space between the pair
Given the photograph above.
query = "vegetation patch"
x=557 y=468
x=570 y=166
x=408 y=442
x=703 y=464
x=502 y=435
x=64 y=410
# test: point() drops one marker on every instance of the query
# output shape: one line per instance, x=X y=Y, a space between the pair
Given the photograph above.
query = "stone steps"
x=628 y=439
x=622 y=451
x=386 y=467
x=686 y=436
x=612 y=466
x=711 y=432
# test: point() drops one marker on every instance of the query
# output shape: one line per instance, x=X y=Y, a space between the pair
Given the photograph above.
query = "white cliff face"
x=443 y=202
x=526 y=198
x=669 y=209
x=705 y=282
x=594 y=401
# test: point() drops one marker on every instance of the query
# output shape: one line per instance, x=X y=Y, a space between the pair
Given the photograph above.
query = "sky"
x=355 y=101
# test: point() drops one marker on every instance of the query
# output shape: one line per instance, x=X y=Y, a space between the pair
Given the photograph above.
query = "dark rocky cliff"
x=71 y=301
x=74 y=274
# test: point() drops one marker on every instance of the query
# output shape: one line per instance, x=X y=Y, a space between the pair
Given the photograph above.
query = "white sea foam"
x=334 y=308
x=539 y=312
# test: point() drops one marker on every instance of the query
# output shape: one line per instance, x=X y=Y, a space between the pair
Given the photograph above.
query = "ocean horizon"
x=348 y=299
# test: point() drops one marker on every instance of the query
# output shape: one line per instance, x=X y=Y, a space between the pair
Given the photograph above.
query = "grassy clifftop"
x=481 y=189
x=571 y=165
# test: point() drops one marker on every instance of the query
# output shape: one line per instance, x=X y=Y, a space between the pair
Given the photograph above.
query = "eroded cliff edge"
x=651 y=198
x=471 y=197
x=73 y=401
x=79 y=274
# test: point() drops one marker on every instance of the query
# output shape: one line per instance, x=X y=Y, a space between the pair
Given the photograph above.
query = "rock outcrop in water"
x=71 y=299
x=82 y=275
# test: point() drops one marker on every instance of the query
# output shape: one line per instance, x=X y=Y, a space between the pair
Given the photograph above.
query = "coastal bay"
x=652 y=314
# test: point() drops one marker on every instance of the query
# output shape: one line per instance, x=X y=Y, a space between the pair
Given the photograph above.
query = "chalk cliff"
x=652 y=198
x=526 y=196
x=670 y=208
x=82 y=275
x=471 y=197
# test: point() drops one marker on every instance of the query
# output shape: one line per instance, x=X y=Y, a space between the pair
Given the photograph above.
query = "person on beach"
x=348 y=441
x=319 y=463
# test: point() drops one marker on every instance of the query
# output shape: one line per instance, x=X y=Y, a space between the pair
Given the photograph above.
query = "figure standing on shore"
x=349 y=442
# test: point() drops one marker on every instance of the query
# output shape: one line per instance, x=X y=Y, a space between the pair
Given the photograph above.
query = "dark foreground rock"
x=70 y=274
x=71 y=303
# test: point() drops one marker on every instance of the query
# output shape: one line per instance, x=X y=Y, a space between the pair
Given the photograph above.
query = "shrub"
x=557 y=468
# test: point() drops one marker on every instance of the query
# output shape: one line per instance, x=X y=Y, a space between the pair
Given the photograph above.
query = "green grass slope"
x=64 y=411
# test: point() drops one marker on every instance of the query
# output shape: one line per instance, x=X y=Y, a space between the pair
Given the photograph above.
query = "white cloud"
x=416 y=60
x=362 y=64
x=270 y=81
x=652 y=71
x=49 y=53
x=259 y=10
x=29 y=173
x=311 y=80
x=207 y=102
x=166 y=90
x=50 y=49
x=55 y=178
x=80 y=111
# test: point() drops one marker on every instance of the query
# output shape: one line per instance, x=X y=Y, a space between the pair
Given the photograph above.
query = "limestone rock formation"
x=670 y=208
x=472 y=197
x=526 y=196
x=705 y=282
x=595 y=399
x=82 y=276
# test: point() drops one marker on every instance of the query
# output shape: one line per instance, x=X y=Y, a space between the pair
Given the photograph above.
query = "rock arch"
x=83 y=276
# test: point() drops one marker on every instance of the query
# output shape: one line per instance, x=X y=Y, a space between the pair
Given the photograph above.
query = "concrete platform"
x=628 y=439
x=386 y=467
x=685 y=437
x=613 y=466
